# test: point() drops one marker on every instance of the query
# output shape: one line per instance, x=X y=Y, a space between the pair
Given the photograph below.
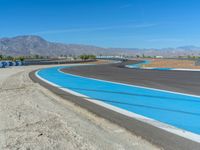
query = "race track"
x=179 y=112
x=178 y=81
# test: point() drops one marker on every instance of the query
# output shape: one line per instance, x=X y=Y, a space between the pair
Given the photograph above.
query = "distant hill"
x=32 y=45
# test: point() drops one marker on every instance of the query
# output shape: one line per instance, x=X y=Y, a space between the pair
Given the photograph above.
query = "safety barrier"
x=197 y=63
x=5 y=64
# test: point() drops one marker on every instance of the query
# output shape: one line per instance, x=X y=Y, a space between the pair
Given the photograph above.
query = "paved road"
x=178 y=81
x=155 y=135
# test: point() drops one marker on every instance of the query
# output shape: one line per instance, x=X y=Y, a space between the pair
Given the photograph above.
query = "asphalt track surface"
x=171 y=80
x=153 y=134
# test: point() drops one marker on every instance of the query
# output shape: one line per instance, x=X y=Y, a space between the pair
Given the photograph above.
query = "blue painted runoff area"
x=181 y=111
x=164 y=69
x=138 y=65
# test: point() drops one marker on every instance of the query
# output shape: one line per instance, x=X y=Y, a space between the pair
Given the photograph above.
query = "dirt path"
x=31 y=117
x=172 y=63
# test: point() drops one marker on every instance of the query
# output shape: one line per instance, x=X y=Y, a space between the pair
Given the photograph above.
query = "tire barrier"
x=5 y=64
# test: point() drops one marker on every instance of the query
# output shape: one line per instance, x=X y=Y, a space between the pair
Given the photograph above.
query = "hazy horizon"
x=181 y=46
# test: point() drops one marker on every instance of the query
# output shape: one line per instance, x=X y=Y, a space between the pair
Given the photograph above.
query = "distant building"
x=108 y=57
x=158 y=56
x=112 y=57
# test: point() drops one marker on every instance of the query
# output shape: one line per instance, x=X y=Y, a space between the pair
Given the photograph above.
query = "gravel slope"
x=31 y=117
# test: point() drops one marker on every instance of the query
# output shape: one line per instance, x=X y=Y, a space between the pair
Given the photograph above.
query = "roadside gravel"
x=32 y=117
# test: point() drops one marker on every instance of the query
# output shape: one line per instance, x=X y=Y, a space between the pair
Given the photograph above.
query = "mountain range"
x=35 y=45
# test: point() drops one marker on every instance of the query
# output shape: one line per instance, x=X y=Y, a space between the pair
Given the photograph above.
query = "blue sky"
x=107 y=23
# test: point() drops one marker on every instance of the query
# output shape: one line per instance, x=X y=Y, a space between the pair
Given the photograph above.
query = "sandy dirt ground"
x=31 y=117
x=171 y=63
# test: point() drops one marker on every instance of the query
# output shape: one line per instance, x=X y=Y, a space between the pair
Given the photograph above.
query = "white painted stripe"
x=177 y=69
x=181 y=69
x=166 y=127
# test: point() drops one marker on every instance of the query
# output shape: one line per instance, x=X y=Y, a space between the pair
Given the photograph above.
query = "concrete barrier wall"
x=5 y=64
x=1 y=65
x=197 y=63
x=53 y=62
